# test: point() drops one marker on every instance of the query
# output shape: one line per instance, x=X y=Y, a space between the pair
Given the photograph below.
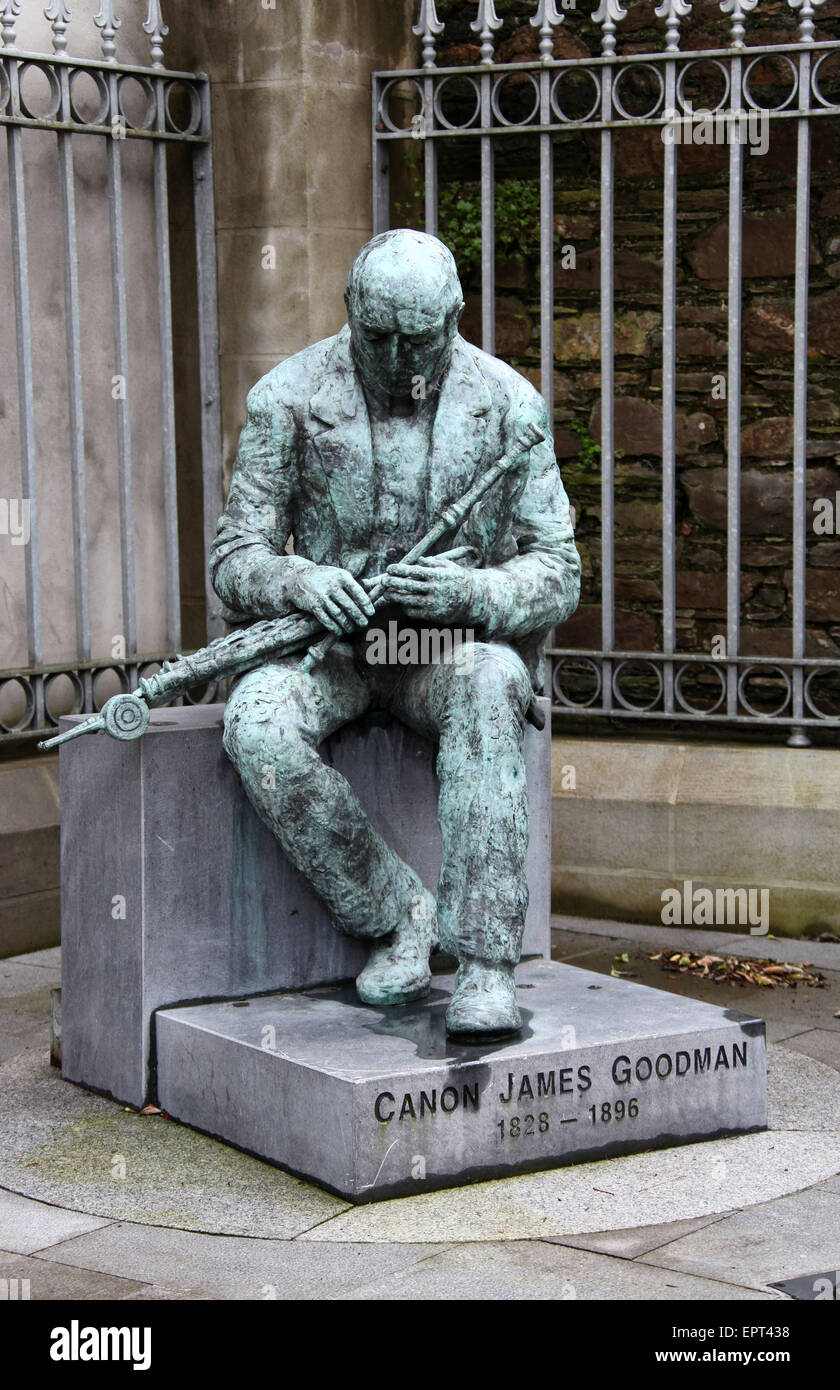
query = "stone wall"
x=291 y=112
x=702 y=334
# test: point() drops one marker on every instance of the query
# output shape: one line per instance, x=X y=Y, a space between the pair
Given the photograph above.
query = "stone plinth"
x=373 y=1103
x=172 y=890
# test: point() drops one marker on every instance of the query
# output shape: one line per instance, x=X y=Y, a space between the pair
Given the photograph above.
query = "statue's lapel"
x=459 y=439
x=341 y=440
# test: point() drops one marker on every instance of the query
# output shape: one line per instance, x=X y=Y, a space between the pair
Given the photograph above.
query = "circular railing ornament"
x=756 y=62
x=50 y=112
x=576 y=74
x=514 y=78
x=636 y=69
x=693 y=668
x=27 y=690
x=622 y=698
x=580 y=661
x=464 y=80
x=753 y=672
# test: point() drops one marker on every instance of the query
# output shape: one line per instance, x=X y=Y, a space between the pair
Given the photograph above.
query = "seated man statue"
x=350 y=451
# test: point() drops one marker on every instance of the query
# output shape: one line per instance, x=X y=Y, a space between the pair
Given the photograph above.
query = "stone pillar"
x=291 y=113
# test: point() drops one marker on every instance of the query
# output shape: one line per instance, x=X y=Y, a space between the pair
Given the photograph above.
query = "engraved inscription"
x=522 y=1089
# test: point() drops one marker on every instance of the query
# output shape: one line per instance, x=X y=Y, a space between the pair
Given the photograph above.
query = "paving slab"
x=22 y=1032
x=27 y=1226
x=48 y=959
x=571 y=946
x=824 y=954
x=821 y=1043
x=803 y=1093
x=785 y=1011
x=65 y=1145
x=156 y=1293
x=640 y=936
x=638 y=1240
x=535 y=1270
x=232 y=1267
x=48 y=1281
x=642 y=1189
x=25 y=981
x=779 y=1030
x=777 y=1240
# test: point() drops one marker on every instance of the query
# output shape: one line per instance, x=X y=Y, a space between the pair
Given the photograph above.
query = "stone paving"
x=193 y=1219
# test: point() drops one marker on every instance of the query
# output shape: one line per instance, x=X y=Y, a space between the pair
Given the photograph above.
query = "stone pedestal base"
x=172 y=889
x=375 y=1103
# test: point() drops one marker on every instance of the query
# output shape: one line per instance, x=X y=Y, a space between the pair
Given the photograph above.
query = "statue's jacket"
x=305 y=470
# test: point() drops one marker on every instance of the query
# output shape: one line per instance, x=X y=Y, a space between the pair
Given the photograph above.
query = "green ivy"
x=517 y=221
x=590 y=452
x=517 y=218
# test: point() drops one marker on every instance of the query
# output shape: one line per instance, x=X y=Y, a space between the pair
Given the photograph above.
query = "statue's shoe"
x=397 y=970
x=483 y=1006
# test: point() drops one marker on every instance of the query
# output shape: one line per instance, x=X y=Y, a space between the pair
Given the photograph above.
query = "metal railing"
x=175 y=109
x=652 y=686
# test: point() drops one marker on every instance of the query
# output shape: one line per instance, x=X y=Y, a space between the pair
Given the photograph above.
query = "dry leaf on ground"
x=733 y=971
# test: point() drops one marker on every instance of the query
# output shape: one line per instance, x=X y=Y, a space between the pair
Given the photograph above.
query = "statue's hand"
x=334 y=597
x=433 y=587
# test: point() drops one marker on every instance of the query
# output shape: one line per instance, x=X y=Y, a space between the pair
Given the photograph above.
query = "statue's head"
x=404 y=301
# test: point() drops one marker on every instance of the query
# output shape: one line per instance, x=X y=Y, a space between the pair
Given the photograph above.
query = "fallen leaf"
x=764 y=973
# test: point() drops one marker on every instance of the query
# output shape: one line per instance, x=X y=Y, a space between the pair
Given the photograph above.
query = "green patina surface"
x=352 y=450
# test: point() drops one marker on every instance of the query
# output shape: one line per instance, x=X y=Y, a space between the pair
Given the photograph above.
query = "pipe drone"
x=126 y=716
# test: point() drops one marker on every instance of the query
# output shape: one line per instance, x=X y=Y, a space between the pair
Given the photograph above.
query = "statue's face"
x=402 y=319
x=397 y=346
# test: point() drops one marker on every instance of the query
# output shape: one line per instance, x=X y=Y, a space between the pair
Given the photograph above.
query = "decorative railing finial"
x=806 y=22
x=738 y=10
x=107 y=21
x=428 y=28
x=484 y=23
x=157 y=31
x=672 y=11
x=58 y=14
x=9 y=11
x=546 y=20
x=608 y=14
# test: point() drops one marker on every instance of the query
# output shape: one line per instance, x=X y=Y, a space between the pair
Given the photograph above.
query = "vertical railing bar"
x=208 y=343
x=26 y=403
x=167 y=380
x=547 y=284
x=430 y=159
x=669 y=387
x=546 y=251
x=428 y=28
x=733 y=392
x=488 y=222
x=800 y=391
x=72 y=327
x=380 y=169
x=120 y=315
x=607 y=391
x=485 y=24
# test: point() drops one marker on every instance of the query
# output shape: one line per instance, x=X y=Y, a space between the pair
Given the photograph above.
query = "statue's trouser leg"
x=478 y=716
x=275 y=720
